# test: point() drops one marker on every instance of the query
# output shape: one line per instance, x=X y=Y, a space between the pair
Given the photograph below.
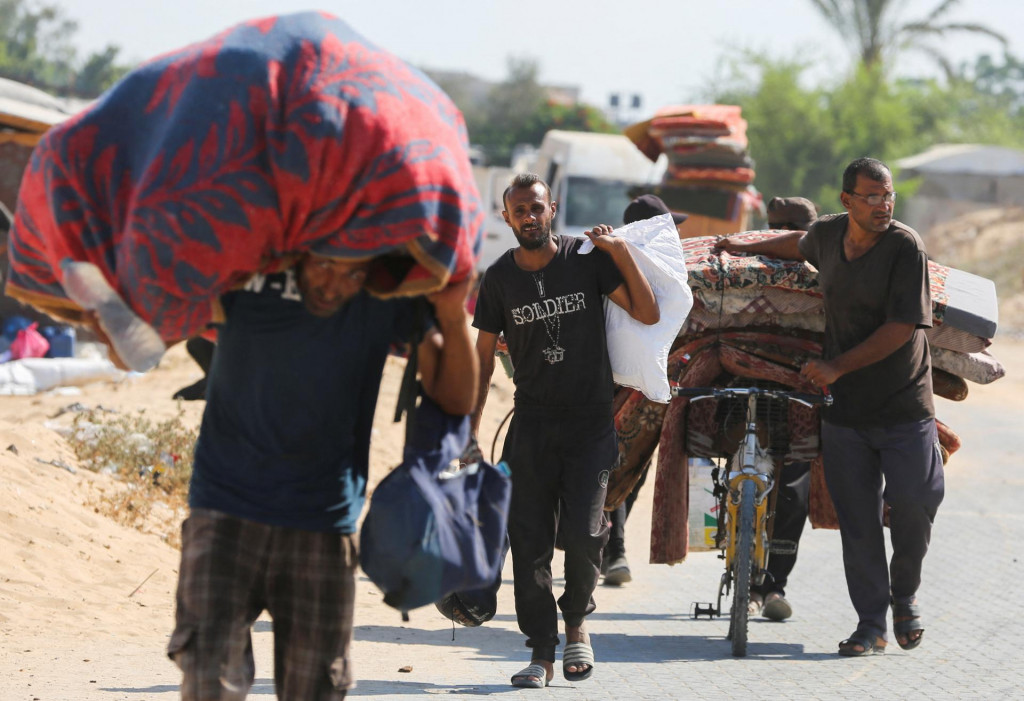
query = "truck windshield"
x=591 y=201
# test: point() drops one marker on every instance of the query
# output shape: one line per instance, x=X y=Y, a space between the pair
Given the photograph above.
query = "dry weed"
x=152 y=460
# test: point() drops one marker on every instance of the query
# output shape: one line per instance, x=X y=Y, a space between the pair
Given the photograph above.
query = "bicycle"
x=744 y=528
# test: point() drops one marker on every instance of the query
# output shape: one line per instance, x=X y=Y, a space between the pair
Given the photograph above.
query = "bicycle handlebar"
x=718 y=392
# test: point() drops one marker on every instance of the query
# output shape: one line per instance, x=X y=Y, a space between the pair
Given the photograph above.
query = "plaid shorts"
x=233 y=569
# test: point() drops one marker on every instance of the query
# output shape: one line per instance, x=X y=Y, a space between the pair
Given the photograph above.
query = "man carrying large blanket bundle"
x=290 y=155
x=234 y=156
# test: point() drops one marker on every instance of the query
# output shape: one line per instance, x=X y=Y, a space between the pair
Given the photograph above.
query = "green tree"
x=518 y=111
x=1003 y=79
x=875 y=32
x=789 y=128
x=553 y=115
x=965 y=112
x=99 y=72
x=36 y=47
x=509 y=106
x=802 y=137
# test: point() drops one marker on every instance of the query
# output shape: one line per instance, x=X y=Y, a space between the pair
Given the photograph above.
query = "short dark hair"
x=870 y=167
x=524 y=181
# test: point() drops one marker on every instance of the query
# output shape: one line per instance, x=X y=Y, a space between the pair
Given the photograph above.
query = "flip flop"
x=577 y=654
x=532 y=677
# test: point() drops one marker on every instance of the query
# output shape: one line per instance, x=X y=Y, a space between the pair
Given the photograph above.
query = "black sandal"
x=870 y=642
x=911 y=615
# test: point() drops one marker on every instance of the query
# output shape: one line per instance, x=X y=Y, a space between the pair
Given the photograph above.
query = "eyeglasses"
x=875 y=200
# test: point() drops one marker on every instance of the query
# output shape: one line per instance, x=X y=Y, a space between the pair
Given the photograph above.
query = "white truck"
x=590 y=175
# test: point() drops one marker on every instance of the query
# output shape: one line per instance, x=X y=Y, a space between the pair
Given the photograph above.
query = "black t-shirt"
x=285 y=438
x=553 y=321
x=888 y=283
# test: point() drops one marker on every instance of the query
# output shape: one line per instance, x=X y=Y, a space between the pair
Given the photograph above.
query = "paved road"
x=646 y=643
x=647 y=646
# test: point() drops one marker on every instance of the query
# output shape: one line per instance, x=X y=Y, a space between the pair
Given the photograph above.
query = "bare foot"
x=905 y=640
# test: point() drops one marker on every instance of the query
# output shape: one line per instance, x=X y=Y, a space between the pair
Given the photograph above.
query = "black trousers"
x=790 y=517
x=901 y=465
x=560 y=466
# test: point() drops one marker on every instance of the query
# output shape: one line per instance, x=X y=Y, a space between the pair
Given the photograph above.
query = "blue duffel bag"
x=435 y=525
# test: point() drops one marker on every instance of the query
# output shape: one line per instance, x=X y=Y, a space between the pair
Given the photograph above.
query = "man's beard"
x=532 y=244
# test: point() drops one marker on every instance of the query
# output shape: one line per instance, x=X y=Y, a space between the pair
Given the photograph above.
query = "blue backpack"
x=435 y=526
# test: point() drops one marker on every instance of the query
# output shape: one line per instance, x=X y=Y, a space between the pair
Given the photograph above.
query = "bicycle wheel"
x=741 y=567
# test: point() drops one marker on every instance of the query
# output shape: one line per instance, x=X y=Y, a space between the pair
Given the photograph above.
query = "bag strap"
x=409 y=390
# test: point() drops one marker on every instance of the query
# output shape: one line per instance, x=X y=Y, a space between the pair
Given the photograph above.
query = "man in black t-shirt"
x=547 y=299
x=873 y=273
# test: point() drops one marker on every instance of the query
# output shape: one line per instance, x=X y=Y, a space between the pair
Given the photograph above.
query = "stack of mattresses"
x=756 y=319
x=710 y=173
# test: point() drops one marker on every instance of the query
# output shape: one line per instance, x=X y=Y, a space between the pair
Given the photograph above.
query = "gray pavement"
x=647 y=646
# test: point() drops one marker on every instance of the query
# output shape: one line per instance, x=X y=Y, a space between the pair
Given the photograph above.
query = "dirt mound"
x=990 y=243
x=66 y=569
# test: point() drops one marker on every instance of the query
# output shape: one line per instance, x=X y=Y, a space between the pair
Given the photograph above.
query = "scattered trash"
x=12 y=449
x=58 y=463
x=76 y=407
x=406 y=669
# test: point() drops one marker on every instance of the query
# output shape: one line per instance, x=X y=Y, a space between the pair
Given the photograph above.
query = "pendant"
x=554 y=354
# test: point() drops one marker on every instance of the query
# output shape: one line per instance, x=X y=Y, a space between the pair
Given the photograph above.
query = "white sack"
x=31 y=375
x=639 y=353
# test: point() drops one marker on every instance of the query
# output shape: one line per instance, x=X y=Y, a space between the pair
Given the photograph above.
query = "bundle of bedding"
x=710 y=172
x=235 y=156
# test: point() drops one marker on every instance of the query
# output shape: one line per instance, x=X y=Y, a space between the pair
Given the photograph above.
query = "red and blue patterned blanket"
x=235 y=155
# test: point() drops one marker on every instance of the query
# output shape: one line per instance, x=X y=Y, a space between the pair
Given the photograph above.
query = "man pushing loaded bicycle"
x=879 y=440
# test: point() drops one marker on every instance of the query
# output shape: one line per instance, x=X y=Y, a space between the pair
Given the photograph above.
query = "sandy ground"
x=77 y=590
x=86 y=605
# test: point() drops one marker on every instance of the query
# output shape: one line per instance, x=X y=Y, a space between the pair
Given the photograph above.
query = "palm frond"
x=940 y=58
x=942 y=8
x=872 y=28
x=926 y=29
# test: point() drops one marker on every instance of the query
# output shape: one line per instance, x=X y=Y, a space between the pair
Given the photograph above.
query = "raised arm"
x=448 y=363
x=634 y=294
x=784 y=246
